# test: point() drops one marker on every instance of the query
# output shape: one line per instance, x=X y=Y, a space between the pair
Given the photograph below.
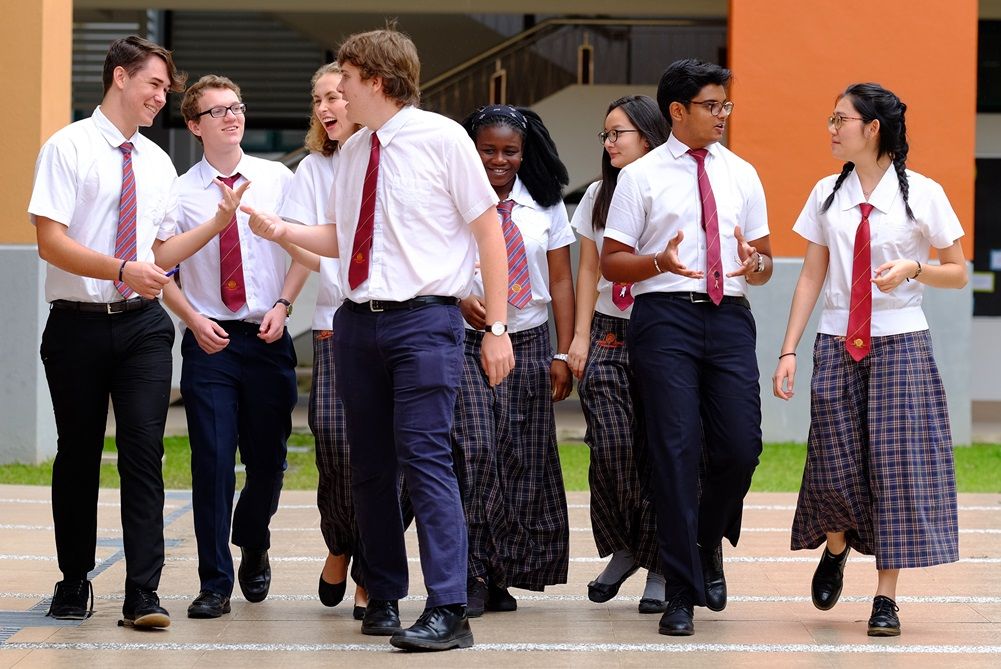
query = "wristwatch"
x=562 y=357
x=288 y=306
x=497 y=329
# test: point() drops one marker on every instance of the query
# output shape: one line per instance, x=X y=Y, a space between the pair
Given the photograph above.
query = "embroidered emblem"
x=323 y=334
x=610 y=341
x=232 y=284
x=516 y=287
x=858 y=343
x=360 y=257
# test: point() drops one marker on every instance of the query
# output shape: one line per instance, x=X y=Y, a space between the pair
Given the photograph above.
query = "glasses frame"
x=837 y=120
x=236 y=109
x=612 y=135
x=714 y=107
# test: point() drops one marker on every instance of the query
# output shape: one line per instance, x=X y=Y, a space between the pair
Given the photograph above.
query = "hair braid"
x=845 y=171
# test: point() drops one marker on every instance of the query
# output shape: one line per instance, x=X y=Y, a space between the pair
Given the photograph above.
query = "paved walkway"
x=951 y=614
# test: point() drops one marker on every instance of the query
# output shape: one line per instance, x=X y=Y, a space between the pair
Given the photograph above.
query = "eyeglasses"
x=714 y=107
x=612 y=135
x=837 y=120
x=220 y=111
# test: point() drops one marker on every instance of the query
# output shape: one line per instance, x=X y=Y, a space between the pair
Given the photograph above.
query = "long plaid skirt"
x=509 y=469
x=879 y=461
x=622 y=511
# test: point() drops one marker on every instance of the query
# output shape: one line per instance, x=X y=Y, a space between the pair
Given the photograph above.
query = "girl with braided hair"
x=504 y=438
x=879 y=474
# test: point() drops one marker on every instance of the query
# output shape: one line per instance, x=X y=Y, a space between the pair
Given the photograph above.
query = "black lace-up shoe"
x=679 y=619
x=476 y=598
x=712 y=575
x=829 y=579
x=438 y=628
x=142 y=610
x=254 y=574
x=382 y=618
x=884 y=620
x=208 y=605
x=72 y=599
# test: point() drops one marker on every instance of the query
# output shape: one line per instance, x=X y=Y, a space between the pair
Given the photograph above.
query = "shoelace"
x=73 y=589
x=679 y=601
x=884 y=606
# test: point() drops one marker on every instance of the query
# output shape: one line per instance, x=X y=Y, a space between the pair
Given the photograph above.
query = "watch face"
x=498 y=328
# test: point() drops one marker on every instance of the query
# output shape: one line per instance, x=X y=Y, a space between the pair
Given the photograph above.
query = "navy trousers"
x=240 y=398
x=697 y=377
x=398 y=374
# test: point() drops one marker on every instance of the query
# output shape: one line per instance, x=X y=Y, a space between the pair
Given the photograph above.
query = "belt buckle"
x=111 y=309
x=375 y=306
x=692 y=298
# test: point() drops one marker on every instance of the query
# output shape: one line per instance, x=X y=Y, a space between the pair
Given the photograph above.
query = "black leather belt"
x=135 y=304
x=375 y=306
x=695 y=298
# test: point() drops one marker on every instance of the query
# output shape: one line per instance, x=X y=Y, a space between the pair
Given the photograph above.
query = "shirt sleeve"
x=54 y=193
x=808 y=224
x=755 y=218
x=560 y=232
x=300 y=199
x=939 y=222
x=581 y=221
x=466 y=178
x=627 y=212
x=168 y=226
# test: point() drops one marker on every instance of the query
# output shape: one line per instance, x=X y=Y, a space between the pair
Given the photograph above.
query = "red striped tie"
x=231 y=284
x=125 y=238
x=519 y=284
x=361 y=251
x=858 y=338
x=710 y=223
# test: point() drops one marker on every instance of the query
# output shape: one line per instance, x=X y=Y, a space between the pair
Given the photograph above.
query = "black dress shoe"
x=650 y=605
x=208 y=604
x=254 y=574
x=476 y=598
x=678 y=619
x=382 y=618
x=499 y=599
x=331 y=594
x=602 y=592
x=828 y=579
x=358 y=613
x=142 y=610
x=884 y=620
x=712 y=575
x=72 y=599
x=438 y=628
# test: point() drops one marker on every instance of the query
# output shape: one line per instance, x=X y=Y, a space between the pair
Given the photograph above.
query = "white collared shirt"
x=78 y=182
x=306 y=202
x=264 y=262
x=543 y=229
x=431 y=186
x=583 y=223
x=892 y=237
x=658 y=194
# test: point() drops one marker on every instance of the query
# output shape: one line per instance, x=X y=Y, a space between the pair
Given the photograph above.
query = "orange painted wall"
x=790 y=60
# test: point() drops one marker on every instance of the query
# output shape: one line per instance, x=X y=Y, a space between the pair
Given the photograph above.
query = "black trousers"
x=89 y=357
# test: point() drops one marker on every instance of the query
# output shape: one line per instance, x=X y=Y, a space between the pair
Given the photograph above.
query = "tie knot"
x=866 y=209
x=126 y=148
x=698 y=154
x=229 y=181
x=505 y=206
x=375 y=141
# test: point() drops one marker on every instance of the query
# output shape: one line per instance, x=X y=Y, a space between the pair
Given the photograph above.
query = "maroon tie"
x=362 y=248
x=125 y=238
x=519 y=284
x=714 y=267
x=858 y=337
x=622 y=295
x=231 y=285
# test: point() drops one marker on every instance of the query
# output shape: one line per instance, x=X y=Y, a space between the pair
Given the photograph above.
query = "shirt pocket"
x=407 y=191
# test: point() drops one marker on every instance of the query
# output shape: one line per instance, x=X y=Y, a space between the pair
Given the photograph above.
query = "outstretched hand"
x=670 y=260
x=747 y=255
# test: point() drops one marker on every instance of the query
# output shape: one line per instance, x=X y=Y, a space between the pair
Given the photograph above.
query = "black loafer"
x=679 y=618
x=254 y=574
x=382 y=618
x=331 y=594
x=499 y=599
x=602 y=592
x=650 y=605
x=72 y=599
x=142 y=610
x=208 y=605
x=884 y=620
x=438 y=628
x=712 y=575
x=828 y=579
x=476 y=598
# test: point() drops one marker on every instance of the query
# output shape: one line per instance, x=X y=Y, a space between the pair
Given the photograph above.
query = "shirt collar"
x=679 y=149
x=881 y=198
x=207 y=174
x=389 y=129
x=520 y=194
x=110 y=131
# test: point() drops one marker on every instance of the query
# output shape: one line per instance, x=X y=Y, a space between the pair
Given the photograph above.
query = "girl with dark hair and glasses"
x=622 y=513
x=879 y=472
x=505 y=437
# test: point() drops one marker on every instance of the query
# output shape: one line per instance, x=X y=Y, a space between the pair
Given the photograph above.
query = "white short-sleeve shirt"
x=543 y=229
x=892 y=237
x=78 y=182
x=306 y=202
x=583 y=223
x=658 y=194
x=431 y=186
x=264 y=263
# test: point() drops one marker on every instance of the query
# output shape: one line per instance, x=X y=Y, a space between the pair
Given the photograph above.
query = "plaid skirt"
x=622 y=511
x=879 y=462
x=504 y=441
